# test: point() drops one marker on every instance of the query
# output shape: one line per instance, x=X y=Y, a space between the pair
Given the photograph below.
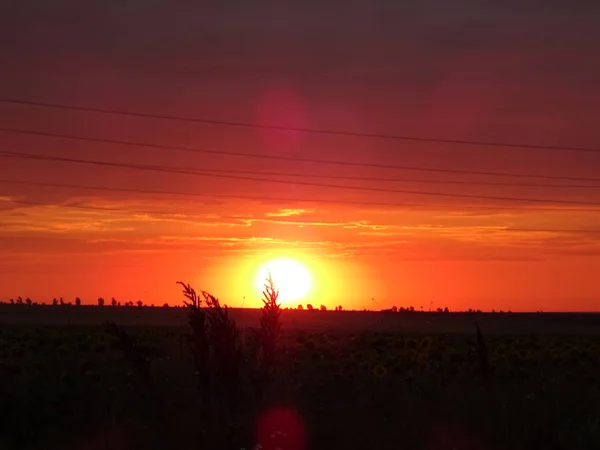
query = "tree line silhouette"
x=101 y=302
x=77 y=302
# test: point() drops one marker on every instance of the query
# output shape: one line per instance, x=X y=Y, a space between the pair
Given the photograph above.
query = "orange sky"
x=493 y=73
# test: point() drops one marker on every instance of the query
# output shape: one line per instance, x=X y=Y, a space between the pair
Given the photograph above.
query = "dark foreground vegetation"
x=216 y=385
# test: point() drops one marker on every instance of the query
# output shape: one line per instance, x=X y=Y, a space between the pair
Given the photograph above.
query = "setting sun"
x=291 y=278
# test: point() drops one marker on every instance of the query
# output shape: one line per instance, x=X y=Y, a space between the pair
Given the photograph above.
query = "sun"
x=291 y=278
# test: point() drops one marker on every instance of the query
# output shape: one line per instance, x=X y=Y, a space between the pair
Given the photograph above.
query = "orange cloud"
x=288 y=212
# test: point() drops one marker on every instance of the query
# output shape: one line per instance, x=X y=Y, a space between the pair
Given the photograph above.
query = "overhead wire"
x=290 y=158
x=287 y=182
x=347 y=133
x=299 y=200
x=385 y=179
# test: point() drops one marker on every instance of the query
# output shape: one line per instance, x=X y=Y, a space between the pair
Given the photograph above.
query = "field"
x=347 y=380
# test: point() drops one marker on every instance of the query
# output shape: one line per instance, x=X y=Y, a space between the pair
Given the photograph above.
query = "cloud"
x=100 y=215
x=349 y=225
x=288 y=212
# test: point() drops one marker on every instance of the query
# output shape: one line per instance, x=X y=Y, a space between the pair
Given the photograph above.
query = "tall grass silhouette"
x=269 y=329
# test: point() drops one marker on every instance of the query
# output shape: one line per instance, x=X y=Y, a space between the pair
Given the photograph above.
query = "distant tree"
x=411 y=309
x=309 y=307
x=77 y=301
x=129 y=304
x=323 y=308
x=19 y=300
x=100 y=301
x=28 y=301
x=113 y=302
x=61 y=301
x=166 y=305
x=12 y=301
x=54 y=302
x=394 y=308
x=300 y=307
x=446 y=310
x=140 y=303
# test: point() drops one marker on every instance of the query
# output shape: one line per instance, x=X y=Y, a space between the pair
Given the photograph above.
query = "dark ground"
x=354 y=380
x=507 y=323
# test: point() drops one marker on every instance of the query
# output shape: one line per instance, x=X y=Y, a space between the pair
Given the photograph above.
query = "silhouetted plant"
x=19 y=300
x=141 y=363
x=214 y=341
x=198 y=340
x=77 y=301
x=140 y=304
x=484 y=366
x=113 y=302
x=309 y=307
x=269 y=323
x=214 y=344
x=54 y=302
x=28 y=301
x=100 y=301
x=129 y=348
x=323 y=308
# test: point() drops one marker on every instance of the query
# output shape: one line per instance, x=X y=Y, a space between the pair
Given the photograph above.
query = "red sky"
x=506 y=71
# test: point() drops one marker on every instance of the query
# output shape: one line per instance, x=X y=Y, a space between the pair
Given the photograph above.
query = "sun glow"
x=291 y=278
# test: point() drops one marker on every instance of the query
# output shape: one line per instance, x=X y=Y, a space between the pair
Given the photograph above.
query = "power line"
x=304 y=130
x=384 y=179
x=192 y=171
x=302 y=183
x=291 y=158
x=129 y=211
x=394 y=180
x=280 y=199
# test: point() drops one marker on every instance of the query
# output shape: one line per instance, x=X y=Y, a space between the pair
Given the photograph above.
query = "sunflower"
x=411 y=344
x=425 y=343
x=379 y=371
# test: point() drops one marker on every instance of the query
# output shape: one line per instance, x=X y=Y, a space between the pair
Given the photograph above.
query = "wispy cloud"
x=289 y=212
x=335 y=232
x=350 y=225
